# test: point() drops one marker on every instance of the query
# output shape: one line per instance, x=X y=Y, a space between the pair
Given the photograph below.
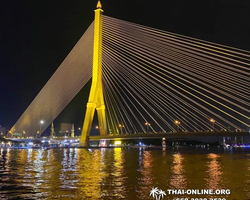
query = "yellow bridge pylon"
x=96 y=100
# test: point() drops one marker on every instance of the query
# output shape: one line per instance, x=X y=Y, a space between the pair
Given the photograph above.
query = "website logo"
x=157 y=194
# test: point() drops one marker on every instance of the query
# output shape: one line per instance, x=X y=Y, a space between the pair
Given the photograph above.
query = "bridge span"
x=171 y=135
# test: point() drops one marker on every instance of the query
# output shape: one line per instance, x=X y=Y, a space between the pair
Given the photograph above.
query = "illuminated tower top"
x=99 y=5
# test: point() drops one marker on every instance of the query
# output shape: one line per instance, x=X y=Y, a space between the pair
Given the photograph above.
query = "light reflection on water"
x=119 y=173
x=146 y=183
x=214 y=172
x=178 y=179
x=247 y=181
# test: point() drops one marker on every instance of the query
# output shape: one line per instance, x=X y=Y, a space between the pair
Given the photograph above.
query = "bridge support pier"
x=84 y=141
x=102 y=120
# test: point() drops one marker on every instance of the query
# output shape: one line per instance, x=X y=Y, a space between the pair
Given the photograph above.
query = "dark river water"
x=121 y=173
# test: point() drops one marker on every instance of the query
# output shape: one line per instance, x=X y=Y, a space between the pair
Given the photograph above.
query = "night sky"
x=36 y=36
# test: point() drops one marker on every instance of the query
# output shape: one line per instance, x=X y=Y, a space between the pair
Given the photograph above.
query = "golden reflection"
x=89 y=171
x=147 y=176
x=118 y=162
x=140 y=158
x=178 y=179
x=22 y=156
x=29 y=155
x=52 y=174
x=5 y=167
x=32 y=175
x=39 y=163
x=8 y=156
x=103 y=151
x=214 y=172
x=119 y=190
x=65 y=176
x=5 y=159
x=147 y=168
x=248 y=176
x=22 y=160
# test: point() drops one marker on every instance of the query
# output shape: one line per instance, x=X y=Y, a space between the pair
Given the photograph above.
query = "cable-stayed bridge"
x=151 y=81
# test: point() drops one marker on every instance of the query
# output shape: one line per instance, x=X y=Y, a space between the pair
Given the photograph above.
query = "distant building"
x=2 y=131
x=65 y=129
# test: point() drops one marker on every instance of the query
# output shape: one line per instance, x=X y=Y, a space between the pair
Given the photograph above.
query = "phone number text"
x=199 y=199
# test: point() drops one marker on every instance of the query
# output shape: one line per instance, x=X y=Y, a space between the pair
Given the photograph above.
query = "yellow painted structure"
x=73 y=131
x=96 y=100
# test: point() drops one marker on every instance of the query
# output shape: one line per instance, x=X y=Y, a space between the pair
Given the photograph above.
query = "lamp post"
x=79 y=129
x=147 y=125
x=23 y=134
x=96 y=128
x=40 y=130
x=177 y=122
x=212 y=122
x=121 y=126
x=41 y=123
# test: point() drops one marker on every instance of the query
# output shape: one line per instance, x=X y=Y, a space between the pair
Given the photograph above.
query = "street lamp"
x=23 y=134
x=96 y=128
x=79 y=129
x=40 y=130
x=147 y=125
x=121 y=126
x=212 y=121
x=177 y=122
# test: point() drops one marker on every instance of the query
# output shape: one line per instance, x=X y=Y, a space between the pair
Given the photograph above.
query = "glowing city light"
x=177 y=122
x=118 y=143
x=212 y=120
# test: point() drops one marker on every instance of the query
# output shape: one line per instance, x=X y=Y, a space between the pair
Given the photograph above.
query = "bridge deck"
x=148 y=136
x=169 y=135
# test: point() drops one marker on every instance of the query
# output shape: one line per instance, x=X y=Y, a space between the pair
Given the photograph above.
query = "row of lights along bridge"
x=147 y=124
x=121 y=126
